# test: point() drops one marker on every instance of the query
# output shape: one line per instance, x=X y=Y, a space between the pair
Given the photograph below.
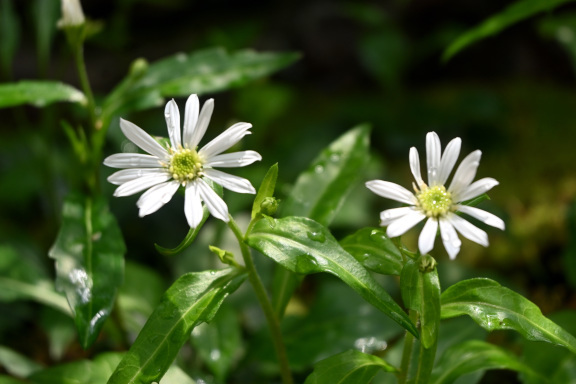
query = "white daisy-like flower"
x=164 y=170
x=435 y=202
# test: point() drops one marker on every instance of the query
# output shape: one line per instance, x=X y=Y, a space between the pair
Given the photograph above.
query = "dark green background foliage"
x=385 y=65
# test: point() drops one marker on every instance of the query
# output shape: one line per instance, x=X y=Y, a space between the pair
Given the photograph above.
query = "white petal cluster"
x=155 y=172
x=443 y=212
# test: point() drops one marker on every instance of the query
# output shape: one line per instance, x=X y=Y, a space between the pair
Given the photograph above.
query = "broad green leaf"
x=266 y=190
x=219 y=343
x=304 y=246
x=319 y=192
x=474 y=355
x=421 y=292
x=193 y=299
x=350 y=367
x=79 y=372
x=89 y=257
x=17 y=364
x=42 y=292
x=495 y=307
x=517 y=11
x=376 y=252
x=38 y=93
x=9 y=380
x=200 y=72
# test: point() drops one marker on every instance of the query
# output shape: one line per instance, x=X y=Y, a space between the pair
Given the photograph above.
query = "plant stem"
x=85 y=83
x=262 y=295
x=407 y=352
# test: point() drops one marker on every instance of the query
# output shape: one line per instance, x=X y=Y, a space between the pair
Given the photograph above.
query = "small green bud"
x=138 y=67
x=225 y=256
x=426 y=263
x=269 y=206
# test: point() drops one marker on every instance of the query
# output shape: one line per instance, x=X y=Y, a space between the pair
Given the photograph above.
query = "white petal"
x=415 y=166
x=427 y=236
x=225 y=140
x=125 y=175
x=154 y=198
x=388 y=216
x=468 y=230
x=391 y=191
x=139 y=137
x=215 y=204
x=193 y=205
x=132 y=160
x=190 y=120
x=449 y=158
x=449 y=238
x=140 y=184
x=475 y=189
x=404 y=223
x=233 y=160
x=231 y=182
x=483 y=216
x=465 y=173
x=433 y=151
x=202 y=125
x=172 y=115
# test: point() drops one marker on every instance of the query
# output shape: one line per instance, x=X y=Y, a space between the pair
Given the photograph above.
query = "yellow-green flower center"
x=435 y=201
x=185 y=165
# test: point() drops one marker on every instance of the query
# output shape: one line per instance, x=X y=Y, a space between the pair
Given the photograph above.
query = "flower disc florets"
x=185 y=165
x=435 y=201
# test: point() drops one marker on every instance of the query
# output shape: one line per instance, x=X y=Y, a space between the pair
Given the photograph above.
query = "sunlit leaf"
x=495 y=307
x=350 y=367
x=193 y=299
x=372 y=248
x=89 y=257
x=17 y=364
x=517 y=11
x=304 y=246
x=38 y=93
x=474 y=355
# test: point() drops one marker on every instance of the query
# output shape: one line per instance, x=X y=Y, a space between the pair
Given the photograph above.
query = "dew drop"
x=377 y=236
x=432 y=172
x=335 y=157
x=316 y=236
x=306 y=264
x=319 y=168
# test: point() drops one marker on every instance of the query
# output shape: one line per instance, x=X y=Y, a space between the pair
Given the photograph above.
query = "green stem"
x=85 y=82
x=260 y=290
x=425 y=363
x=407 y=352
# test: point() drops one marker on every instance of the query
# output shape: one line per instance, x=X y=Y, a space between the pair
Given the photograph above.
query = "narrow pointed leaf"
x=475 y=355
x=304 y=246
x=350 y=367
x=89 y=257
x=376 y=252
x=38 y=93
x=495 y=307
x=266 y=190
x=193 y=299
x=17 y=364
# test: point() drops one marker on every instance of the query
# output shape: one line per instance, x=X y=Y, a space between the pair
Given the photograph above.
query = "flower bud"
x=426 y=263
x=269 y=206
x=72 y=14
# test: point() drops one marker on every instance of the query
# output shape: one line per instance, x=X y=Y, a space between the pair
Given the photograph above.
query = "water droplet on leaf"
x=306 y=264
x=316 y=236
x=319 y=168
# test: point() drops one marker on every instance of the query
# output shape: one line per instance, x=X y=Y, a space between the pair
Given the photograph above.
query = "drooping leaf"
x=304 y=246
x=376 y=252
x=189 y=239
x=89 y=257
x=266 y=190
x=495 y=307
x=193 y=299
x=38 y=93
x=474 y=355
x=517 y=11
x=16 y=364
x=350 y=367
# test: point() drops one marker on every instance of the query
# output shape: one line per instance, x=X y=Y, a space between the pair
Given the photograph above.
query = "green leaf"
x=17 y=364
x=474 y=355
x=79 y=372
x=266 y=190
x=38 y=93
x=495 y=307
x=10 y=32
x=41 y=291
x=9 y=380
x=514 y=13
x=421 y=292
x=89 y=257
x=189 y=239
x=304 y=246
x=350 y=367
x=199 y=72
x=376 y=252
x=193 y=299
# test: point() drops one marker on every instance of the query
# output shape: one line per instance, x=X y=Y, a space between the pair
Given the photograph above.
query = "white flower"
x=436 y=202
x=164 y=170
x=72 y=14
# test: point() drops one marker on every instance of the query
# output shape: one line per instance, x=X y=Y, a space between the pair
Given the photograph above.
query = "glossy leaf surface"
x=304 y=246
x=89 y=257
x=376 y=252
x=495 y=307
x=38 y=93
x=193 y=299
x=350 y=367
x=474 y=355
